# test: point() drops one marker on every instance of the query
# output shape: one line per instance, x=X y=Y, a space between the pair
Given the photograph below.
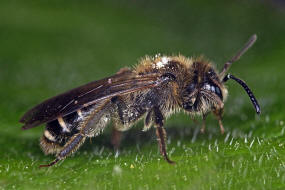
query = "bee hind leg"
x=71 y=146
x=161 y=134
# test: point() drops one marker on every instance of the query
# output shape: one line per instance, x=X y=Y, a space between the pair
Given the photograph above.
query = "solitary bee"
x=153 y=90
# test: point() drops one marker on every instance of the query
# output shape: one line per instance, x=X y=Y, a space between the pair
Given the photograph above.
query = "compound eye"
x=190 y=88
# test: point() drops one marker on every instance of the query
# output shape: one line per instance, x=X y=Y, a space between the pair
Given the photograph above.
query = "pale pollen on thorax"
x=162 y=62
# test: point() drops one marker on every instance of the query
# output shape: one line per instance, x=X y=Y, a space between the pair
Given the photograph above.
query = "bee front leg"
x=161 y=134
x=71 y=146
x=203 y=128
x=219 y=113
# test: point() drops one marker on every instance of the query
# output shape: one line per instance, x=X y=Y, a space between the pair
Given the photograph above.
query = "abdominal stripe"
x=60 y=130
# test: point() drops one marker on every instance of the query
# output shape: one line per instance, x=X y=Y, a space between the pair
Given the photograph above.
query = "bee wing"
x=91 y=93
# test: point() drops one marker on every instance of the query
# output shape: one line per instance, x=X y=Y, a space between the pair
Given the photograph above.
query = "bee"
x=153 y=90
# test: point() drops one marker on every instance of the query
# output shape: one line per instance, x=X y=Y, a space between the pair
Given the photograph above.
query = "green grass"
x=47 y=47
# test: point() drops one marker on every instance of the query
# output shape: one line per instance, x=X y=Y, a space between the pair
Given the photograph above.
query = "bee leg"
x=71 y=146
x=161 y=134
x=194 y=120
x=218 y=113
x=116 y=134
x=50 y=164
x=116 y=138
x=203 y=128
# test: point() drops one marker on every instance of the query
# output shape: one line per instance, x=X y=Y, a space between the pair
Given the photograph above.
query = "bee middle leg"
x=116 y=134
x=116 y=137
x=161 y=134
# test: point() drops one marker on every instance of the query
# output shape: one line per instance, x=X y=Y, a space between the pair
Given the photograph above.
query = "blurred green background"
x=47 y=47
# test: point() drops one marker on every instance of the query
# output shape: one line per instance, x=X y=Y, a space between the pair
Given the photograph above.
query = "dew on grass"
x=251 y=143
x=117 y=170
x=237 y=145
x=117 y=154
x=8 y=168
x=267 y=156
x=254 y=158
x=274 y=149
x=157 y=177
x=277 y=172
x=231 y=142
x=233 y=163
x=216 y=142
x=209 y=147
x=101 y=150
x=250 y=134
x=245 y=172
x=264 y=180
x=206 y=158
x=169 y=140
x=227 y=137
x=178 y=143
x=196 y=131
x=172 y=151
x=258 y=141
x=260 y=160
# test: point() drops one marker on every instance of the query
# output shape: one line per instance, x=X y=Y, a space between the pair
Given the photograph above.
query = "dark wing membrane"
x=88 y=94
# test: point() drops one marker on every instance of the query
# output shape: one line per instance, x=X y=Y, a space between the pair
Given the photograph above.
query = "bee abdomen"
x=59 y=131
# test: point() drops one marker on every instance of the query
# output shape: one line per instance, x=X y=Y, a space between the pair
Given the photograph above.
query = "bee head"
x=206 y=90
x=203 y=90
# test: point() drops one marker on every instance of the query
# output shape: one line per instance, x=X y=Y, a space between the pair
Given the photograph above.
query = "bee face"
x=204 y=90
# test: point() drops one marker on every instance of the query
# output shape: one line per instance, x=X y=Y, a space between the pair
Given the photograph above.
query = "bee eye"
x=190 y=88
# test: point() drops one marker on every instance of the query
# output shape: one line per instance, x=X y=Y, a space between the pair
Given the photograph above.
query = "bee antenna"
x=247 y=89
x=235 y=58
